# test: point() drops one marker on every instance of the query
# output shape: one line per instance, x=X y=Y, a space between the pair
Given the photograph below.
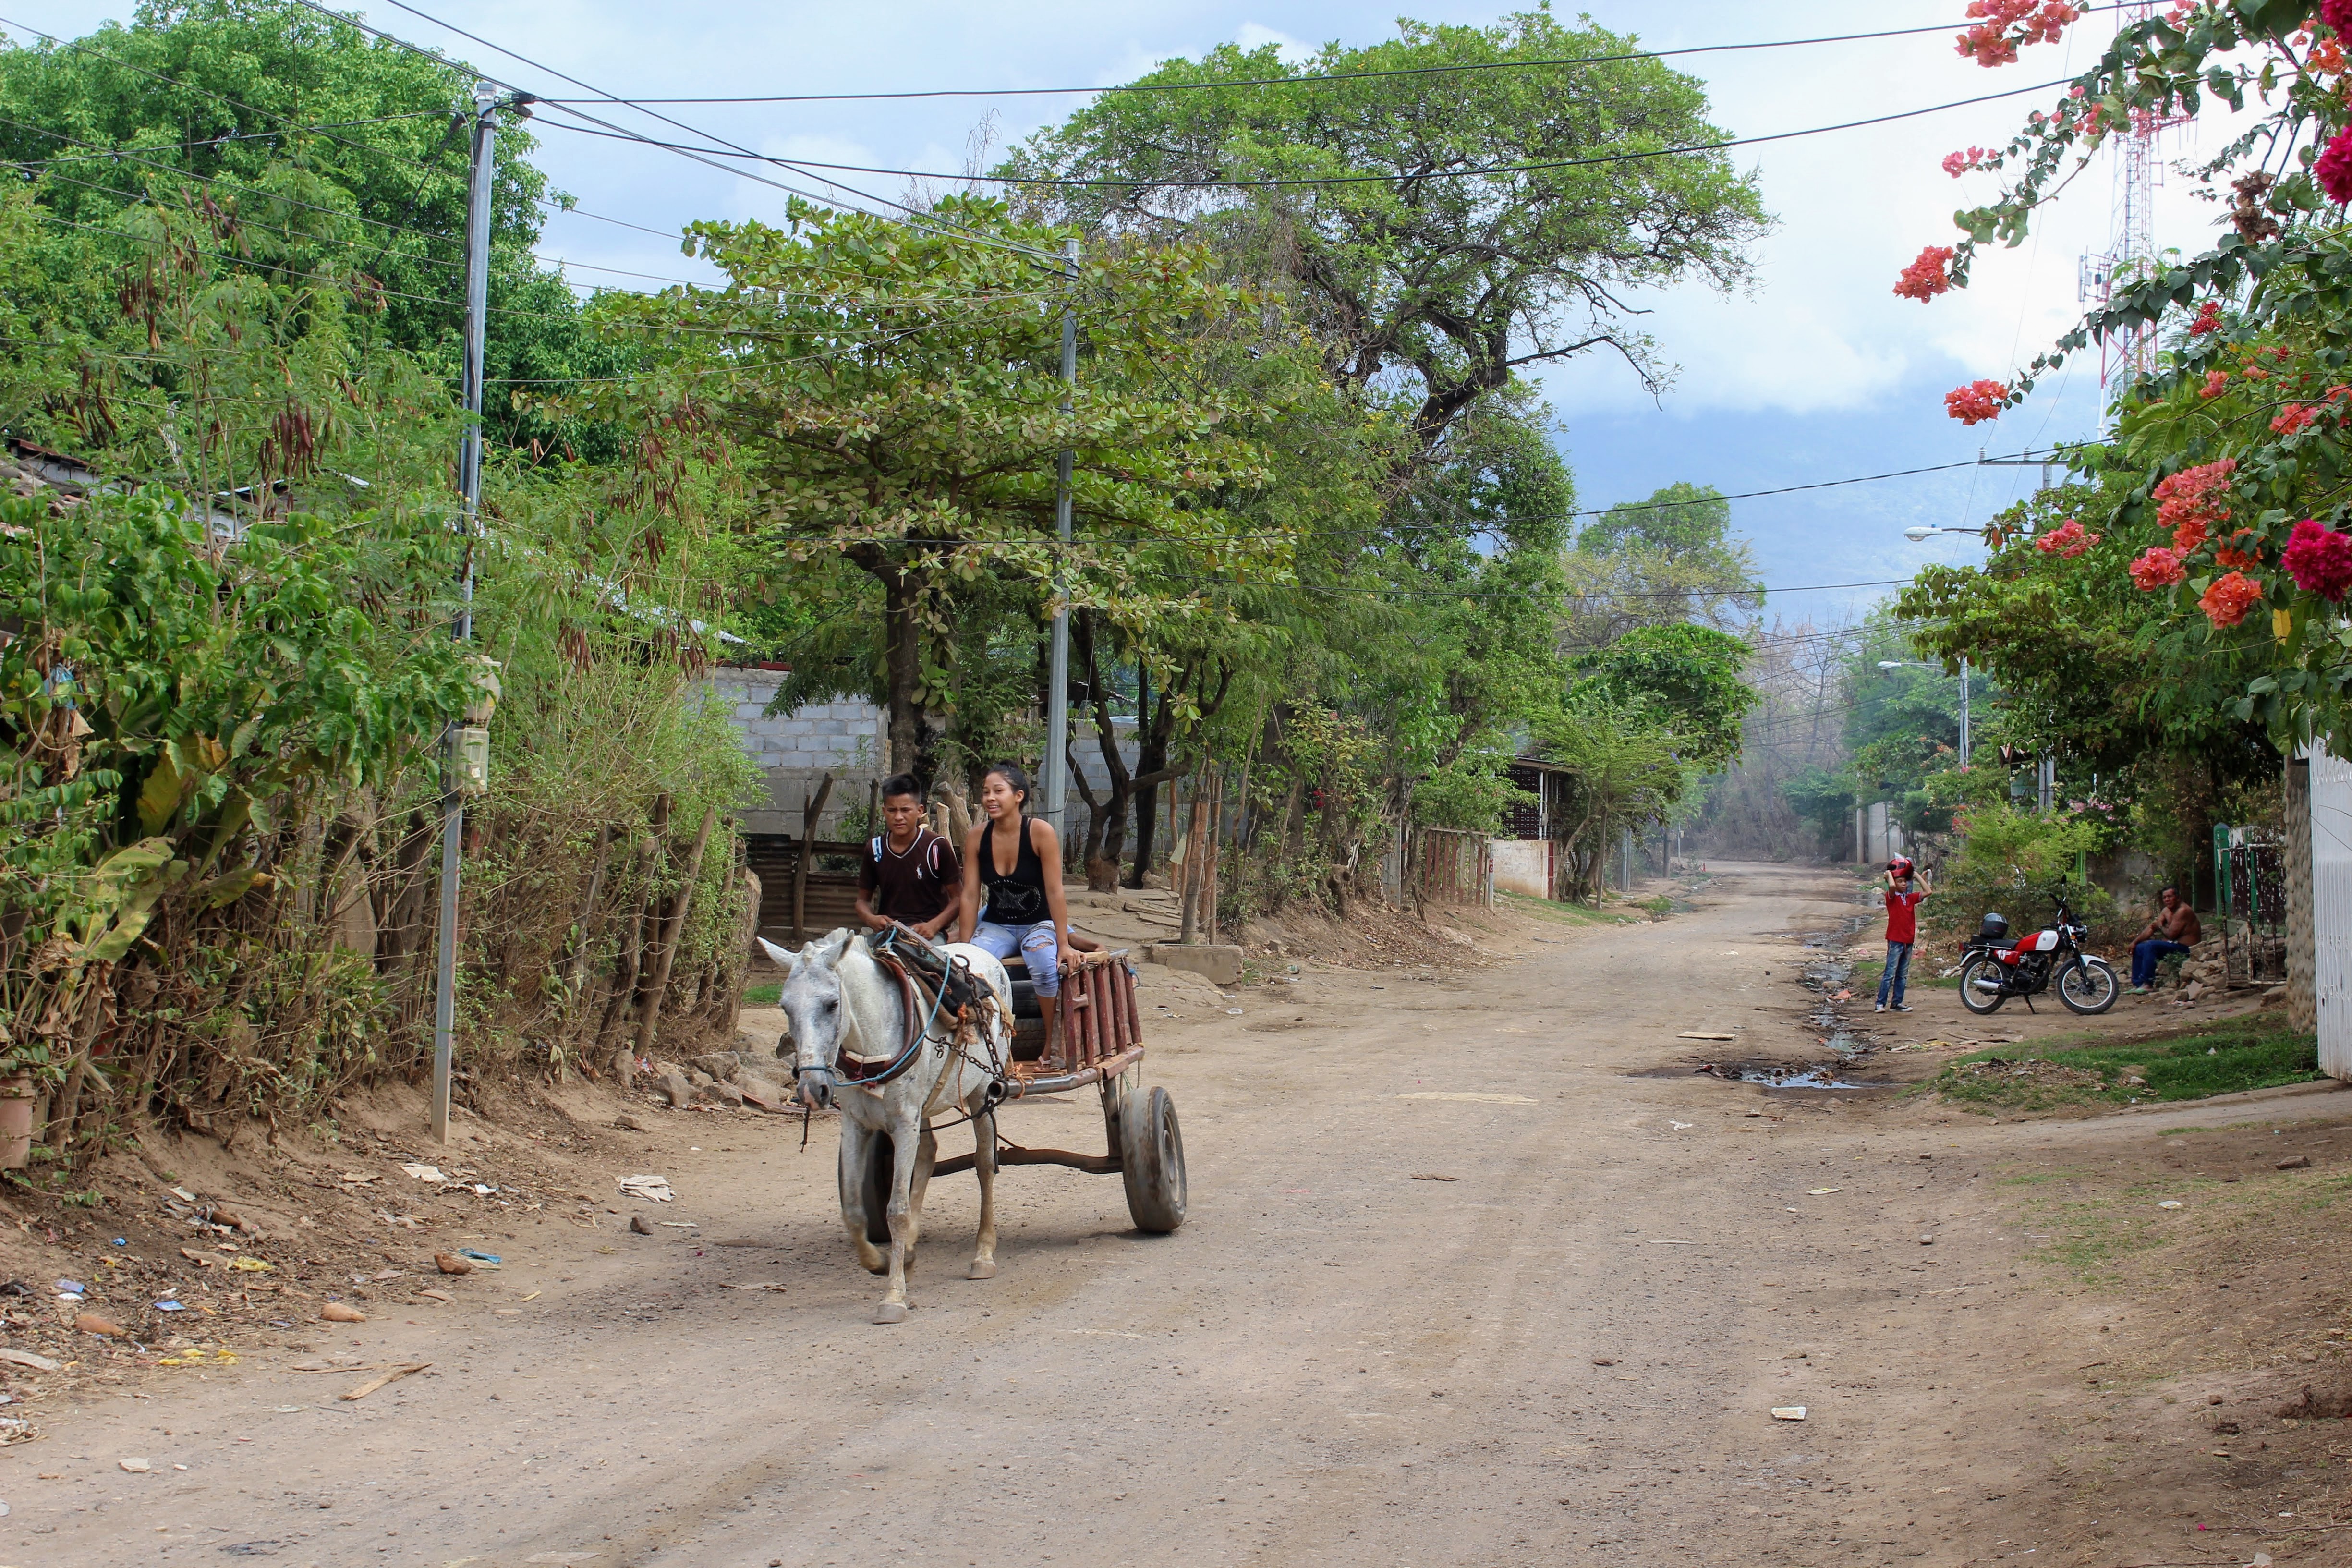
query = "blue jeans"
x=2146 y=954
x=1898 y=965
x=1034 y=942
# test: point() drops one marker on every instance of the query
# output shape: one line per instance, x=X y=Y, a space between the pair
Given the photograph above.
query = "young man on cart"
x=911 y=876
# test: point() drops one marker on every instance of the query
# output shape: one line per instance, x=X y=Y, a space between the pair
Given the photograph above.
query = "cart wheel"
x=1151 y=1161
x=879 y=1158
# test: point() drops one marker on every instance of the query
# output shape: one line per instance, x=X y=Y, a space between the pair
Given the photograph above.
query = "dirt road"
x=1476 y=1272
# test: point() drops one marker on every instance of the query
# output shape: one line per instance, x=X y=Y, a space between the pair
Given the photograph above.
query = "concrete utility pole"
x=1053 y=781
x=469 y=486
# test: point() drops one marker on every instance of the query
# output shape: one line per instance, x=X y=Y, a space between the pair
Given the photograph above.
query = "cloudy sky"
x=1817 y=372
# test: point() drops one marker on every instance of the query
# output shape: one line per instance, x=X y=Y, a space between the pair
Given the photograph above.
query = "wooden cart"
x=1100 y=1044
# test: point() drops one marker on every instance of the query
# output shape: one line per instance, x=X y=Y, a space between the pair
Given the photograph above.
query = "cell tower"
x=2132 y=252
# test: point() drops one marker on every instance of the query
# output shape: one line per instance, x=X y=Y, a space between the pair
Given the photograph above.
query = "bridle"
x=819 y=1078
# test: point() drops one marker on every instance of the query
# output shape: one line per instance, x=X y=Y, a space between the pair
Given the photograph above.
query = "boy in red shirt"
x=1901 y=902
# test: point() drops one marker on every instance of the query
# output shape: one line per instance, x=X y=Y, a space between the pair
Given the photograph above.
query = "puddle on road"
x=1826 y=970
x=1785 y=1075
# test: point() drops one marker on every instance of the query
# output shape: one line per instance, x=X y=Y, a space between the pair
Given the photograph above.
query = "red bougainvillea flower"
x=2336 y=13
x=2209 y=320
x=2319 y=559
x=1924 y=279
x=2291 y=418
x=2245 y=550
x=2066 y=540
x=2217 y=382
x=2225 y=603
x=2157 y=568
x=1990 y=43
x=2334 y=167
x=2192 y=501
x=1977 y=402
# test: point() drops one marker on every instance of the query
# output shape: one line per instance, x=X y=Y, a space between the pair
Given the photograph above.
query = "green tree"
x=313 y=151
x=1660 y=562
x=893 y=398
x=1459 y=225
x=1690 y=673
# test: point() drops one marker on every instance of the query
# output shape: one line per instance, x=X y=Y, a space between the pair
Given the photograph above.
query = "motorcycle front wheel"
x=1988 y=997
x=2088 y=985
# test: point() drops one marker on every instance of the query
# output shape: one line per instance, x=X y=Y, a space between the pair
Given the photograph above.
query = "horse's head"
x=813 y=1007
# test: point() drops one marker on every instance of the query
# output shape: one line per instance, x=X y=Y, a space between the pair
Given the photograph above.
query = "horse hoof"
x=982 y=1269
x=890 y=1312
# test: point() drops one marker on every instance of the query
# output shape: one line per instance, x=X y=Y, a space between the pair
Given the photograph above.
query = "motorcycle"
x=1991 y=972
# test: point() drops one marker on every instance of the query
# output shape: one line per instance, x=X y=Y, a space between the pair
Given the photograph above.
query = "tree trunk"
x=903 y=671
x=1151 y=742
x=2302 y=955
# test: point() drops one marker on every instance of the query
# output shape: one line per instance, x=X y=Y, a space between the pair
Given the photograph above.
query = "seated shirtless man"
x=2174 y=930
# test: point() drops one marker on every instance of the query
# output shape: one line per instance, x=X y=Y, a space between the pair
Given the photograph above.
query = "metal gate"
x=2331 y=909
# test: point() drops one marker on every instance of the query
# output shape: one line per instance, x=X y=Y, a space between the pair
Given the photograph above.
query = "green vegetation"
x=765 y=996
x=1324 y=556
x=2255 y=1051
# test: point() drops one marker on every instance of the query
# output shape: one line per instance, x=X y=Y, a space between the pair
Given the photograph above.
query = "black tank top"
x=1015 y=897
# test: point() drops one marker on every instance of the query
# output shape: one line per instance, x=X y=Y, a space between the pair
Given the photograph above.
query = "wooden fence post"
x=810 y=811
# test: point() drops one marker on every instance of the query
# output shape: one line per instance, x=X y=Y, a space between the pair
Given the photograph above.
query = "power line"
x=804 y=164
x=1302 y=81
x=914 y=218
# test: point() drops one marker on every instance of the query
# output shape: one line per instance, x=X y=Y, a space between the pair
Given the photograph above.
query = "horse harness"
x=931 y=984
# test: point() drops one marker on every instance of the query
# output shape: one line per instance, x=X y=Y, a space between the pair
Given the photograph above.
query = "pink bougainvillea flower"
x=2336 y=13
x=2291 y=418
x=1977 y=402
x=1925 y=279
x=2157 y=568
x=2243 y=550
x=2209 y=320
x=2225 y=603
x=1958 y=163
x=2192 y=501
x=1990 y=42
x=2318 y=558
x=2066 y=540
x=2217 y=382
x=2334 y=169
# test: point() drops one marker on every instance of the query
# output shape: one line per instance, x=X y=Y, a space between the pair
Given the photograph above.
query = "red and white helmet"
x=1899 y=867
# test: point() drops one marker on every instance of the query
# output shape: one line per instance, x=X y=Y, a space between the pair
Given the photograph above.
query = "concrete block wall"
x=793 y=750
x=850 y=740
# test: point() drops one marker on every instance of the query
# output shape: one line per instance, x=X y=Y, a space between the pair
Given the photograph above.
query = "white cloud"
x=1253 y=36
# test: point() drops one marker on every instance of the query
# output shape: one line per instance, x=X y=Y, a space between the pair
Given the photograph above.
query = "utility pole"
x=469 y=486
x=1964 y=711
x=1053 y=777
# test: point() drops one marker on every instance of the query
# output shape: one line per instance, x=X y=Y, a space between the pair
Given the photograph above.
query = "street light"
x=1919 y=533
x=1921 y=664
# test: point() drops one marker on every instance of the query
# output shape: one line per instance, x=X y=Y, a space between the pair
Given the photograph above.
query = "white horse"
x=844 y=1008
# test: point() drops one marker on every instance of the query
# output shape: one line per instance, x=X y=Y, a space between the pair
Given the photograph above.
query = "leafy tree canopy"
x=1455 y=226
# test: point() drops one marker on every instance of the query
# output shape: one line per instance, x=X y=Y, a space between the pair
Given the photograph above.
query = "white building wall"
x=2331 y=909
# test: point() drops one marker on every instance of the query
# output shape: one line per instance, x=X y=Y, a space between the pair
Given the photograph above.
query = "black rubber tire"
x=1151 y=1161
x=880 y=1155
x=2102 y=970
x=1979 y=1002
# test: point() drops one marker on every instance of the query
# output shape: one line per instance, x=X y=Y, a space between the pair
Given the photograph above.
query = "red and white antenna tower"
x=2126 y=355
